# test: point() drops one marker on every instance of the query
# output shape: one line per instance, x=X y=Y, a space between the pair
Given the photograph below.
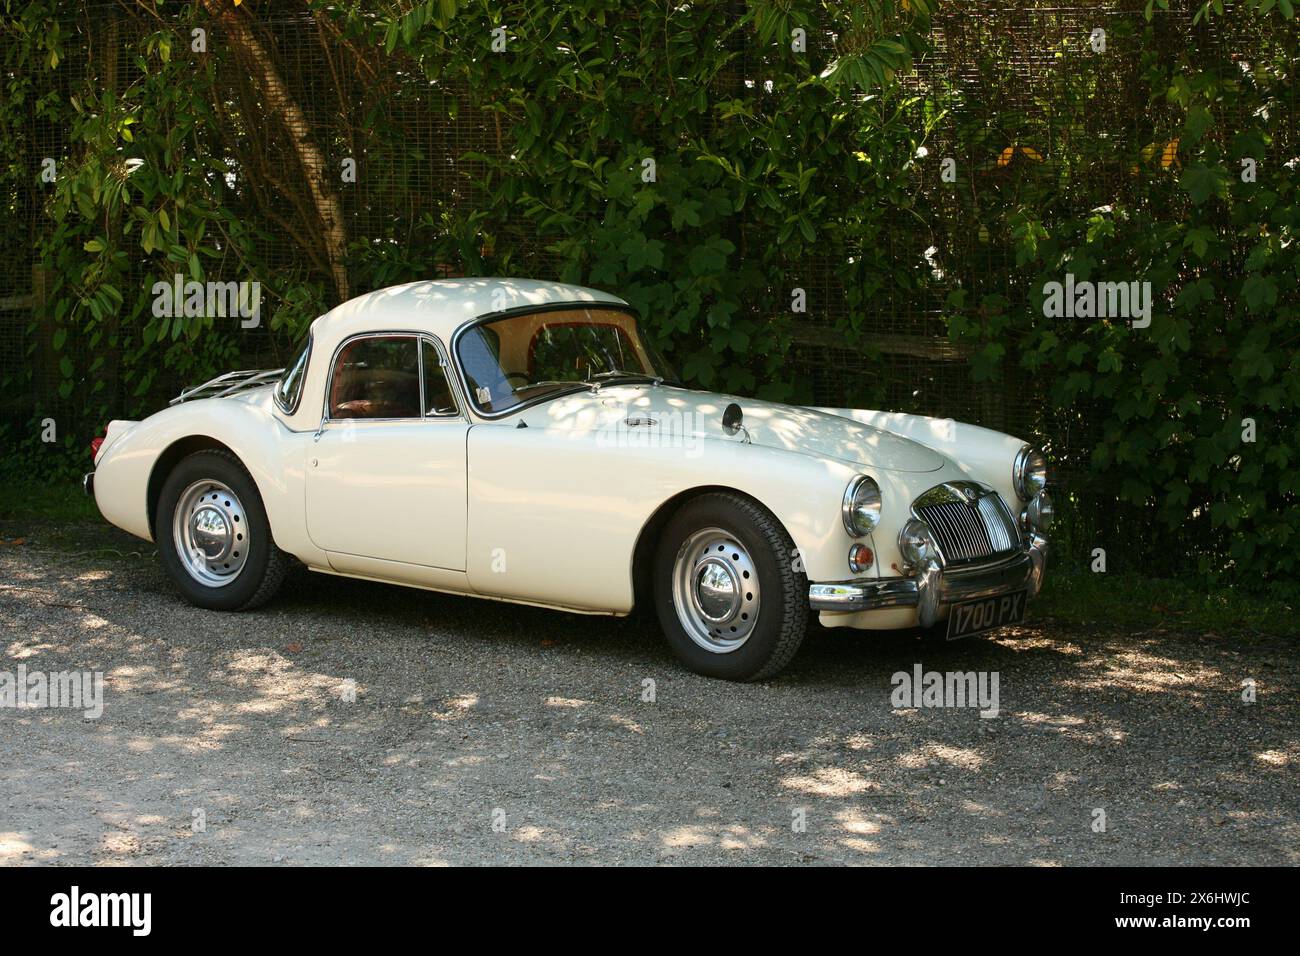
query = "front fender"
x=978 y=453
x=555 y=515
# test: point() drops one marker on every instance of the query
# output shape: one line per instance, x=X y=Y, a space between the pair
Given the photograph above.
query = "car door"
x=386 y=474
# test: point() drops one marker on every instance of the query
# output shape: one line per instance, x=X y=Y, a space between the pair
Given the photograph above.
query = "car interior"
x=379 y=377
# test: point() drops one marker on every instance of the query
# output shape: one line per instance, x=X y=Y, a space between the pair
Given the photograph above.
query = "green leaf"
x=686 y=213
x=710 y=257
x=1260 y=293
x=643 y=253
x=1198 y=122
x=1201 y=182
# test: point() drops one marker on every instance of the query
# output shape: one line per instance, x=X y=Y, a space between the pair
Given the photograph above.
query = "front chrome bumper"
x=932 y=590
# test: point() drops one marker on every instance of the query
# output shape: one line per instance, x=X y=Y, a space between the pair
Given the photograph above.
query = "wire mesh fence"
x=1005 y=91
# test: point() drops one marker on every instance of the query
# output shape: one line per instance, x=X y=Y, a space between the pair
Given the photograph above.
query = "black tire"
x=782 y=619
x=265 y=565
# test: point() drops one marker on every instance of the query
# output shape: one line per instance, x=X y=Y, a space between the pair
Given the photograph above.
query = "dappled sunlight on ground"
x=464 y=709
x=722 y=836
x=1276 y=758
x=828 y=782
x=16 y=848
x=1074 y=727
x=1140 y=669
x=935 y=753
x=626 y=723
x=565 y=702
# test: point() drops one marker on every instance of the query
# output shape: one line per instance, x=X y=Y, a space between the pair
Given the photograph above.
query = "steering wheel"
x=524 y=379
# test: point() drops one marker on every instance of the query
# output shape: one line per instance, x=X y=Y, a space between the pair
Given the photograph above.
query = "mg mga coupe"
x=521 y=440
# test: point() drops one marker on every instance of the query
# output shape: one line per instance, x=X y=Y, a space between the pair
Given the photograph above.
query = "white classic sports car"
x=520 y=440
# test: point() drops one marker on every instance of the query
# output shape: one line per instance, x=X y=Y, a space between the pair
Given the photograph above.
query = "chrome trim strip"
x=862 y=595
x=452 y=387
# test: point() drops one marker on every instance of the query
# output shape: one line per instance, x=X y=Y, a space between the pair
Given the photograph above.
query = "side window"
x=437 y=390
x=377 y=377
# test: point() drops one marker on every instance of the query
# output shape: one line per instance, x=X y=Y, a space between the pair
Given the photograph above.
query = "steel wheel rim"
x=716 y=590
x=210 y=529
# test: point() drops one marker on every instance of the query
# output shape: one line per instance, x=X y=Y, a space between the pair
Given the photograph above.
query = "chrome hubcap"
x=210 y=530
x=715 y=590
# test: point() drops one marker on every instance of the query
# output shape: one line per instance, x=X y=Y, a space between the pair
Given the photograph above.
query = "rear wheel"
x=730 y=599
x=213 y=537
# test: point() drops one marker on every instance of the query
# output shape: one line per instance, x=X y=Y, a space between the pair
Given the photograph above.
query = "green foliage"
x=143 y=194
x=1168 y=409
x=703 y=160
x=639 y=159
x=1136 y=602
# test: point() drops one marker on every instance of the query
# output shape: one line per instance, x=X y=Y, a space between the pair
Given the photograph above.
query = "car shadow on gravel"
x=466 y=705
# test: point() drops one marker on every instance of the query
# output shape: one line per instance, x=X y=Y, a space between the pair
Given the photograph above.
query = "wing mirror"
x=733 y=420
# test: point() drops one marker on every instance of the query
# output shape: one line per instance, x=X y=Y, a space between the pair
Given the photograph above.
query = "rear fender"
x=246 y=426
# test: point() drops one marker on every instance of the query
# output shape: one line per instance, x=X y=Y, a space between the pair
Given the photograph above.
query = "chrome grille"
x=997 y=522
x=970 y=521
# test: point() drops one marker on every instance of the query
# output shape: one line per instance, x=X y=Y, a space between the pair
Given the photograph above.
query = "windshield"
x=518 y=359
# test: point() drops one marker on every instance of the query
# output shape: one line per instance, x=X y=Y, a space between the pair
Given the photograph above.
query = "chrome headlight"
x=916 y=544
x=1040 y=512
x=1029 y=473
x=861 y=506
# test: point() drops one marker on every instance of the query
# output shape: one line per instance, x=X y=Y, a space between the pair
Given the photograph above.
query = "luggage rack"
x=229 y=384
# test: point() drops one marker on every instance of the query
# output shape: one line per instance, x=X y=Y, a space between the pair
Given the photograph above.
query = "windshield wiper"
x=594 y=382
x=571 y=383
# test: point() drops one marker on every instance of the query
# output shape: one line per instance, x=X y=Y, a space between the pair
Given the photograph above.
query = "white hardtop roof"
x=442 y=306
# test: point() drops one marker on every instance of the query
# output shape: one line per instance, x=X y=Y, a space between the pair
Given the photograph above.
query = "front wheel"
x=213 y=537
x=730 y=597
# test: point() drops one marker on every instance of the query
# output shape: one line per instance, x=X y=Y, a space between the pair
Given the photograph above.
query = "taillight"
x=94 y=446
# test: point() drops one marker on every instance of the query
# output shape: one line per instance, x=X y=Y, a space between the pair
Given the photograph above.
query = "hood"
x=788 y=427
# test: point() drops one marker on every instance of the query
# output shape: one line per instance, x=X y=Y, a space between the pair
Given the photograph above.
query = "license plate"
x=985 y=614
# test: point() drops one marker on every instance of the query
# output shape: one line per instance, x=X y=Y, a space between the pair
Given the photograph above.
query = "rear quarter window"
x=289 y=391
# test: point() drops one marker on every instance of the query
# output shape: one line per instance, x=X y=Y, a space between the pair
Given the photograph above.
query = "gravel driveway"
x=488 y=733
